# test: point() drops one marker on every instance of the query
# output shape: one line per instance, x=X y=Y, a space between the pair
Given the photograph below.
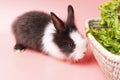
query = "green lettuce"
x=108 y=34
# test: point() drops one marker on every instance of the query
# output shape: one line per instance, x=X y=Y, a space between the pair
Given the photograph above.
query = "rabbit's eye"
x=70 y=45
x=67 y=47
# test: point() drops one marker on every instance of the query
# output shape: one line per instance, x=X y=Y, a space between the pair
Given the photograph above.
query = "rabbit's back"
x=31 y=22
x=29 y=28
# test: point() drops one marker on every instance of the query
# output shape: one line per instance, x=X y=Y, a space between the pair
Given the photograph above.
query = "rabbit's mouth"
x=77 y=56
x=80 y=46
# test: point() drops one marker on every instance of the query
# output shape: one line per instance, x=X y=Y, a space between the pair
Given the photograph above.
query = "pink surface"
x=31 y=65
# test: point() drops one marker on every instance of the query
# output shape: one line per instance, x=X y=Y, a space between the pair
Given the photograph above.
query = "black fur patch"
x=64 y=42
x=29 y=28
x=19 y=47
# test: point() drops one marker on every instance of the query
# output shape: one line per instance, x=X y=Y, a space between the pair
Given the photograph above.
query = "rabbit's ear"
x=70 y=17
x=58 y=23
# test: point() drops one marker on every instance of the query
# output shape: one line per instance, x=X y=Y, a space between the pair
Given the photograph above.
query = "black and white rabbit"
x=49 y=34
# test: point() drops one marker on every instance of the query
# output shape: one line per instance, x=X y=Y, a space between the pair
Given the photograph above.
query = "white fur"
x=80 y=43
x=49 y=46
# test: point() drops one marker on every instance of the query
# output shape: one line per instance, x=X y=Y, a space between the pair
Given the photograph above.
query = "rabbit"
x=50 y=35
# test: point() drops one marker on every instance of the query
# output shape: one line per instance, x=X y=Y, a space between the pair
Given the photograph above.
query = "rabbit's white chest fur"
x=49 y=46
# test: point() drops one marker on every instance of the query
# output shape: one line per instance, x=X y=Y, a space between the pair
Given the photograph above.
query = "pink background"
x=31 y=65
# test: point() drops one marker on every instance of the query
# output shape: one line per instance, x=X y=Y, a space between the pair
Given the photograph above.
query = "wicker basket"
x=109 y=63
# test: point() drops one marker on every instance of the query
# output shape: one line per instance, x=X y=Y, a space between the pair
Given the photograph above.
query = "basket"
x=108 y=62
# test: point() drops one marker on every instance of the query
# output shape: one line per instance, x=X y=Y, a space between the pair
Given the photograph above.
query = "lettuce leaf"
x=108 y=34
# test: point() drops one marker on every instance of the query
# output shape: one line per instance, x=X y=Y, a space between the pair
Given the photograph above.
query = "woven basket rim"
x=99 y=47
